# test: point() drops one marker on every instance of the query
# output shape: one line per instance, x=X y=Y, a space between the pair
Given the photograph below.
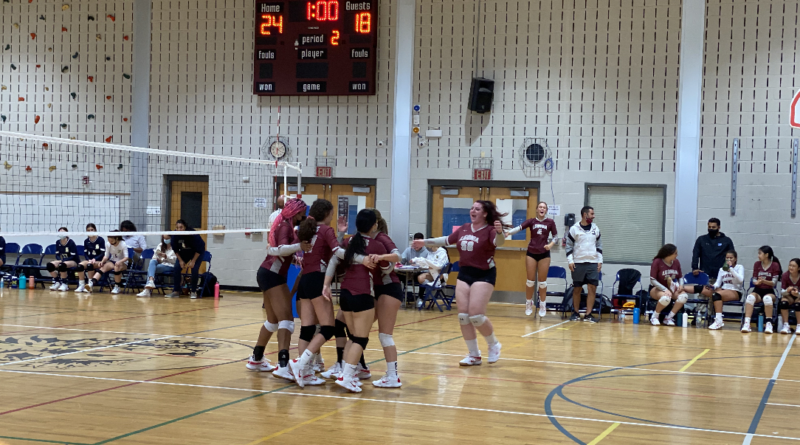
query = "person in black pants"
x=709 y=255
x=189 y=248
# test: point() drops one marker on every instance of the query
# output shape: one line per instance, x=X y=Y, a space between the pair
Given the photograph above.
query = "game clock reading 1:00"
x=315 y=47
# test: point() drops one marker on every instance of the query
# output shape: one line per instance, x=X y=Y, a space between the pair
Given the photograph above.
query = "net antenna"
x=48 y=182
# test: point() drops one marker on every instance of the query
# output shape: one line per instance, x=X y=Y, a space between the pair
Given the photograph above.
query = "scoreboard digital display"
x=315 y=47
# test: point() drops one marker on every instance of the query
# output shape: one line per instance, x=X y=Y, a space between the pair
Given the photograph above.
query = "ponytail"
x=767 y=250
x=365 y=220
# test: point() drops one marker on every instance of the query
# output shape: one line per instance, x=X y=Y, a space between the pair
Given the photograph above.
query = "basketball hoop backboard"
x=794 y=119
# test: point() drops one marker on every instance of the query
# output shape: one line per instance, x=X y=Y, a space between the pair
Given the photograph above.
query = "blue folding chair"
x=558 y=273
x=137 y=272
x=32 y=251
x=435 y=292
x=700 y=280
x=630 y=294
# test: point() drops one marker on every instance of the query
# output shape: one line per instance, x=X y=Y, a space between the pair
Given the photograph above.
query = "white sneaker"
x=150 y=285
x=55 y=285
x=746 y=328
x=786 y=329
x=768 y=327
x=718 y=324
x=388 y=382
x=297 y=371
x=669 y=321
x=193 y=296
x=542 y=309
x=144 y=293
x=116 y=289
x=654 y=321
x=334 y=372
x=494 y=352
x=349 y=384
x=363 y=373
x=89 y=286
x=470 y=361
x=319 y=363
x=283 y=373
x=264 y=365
x=528 y=307
x=63 y=287
x=81 y=288
x=312 y=380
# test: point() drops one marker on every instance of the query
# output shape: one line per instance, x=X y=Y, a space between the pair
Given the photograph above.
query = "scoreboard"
x=315 y=47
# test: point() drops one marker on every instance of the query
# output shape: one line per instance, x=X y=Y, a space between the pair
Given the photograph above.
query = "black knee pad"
x=307 y=333
x=117 y=272
x=784 y=305
x=716 y=297
x=340 y=329
x=327 y=332
x=51 y=267
x=79 y=268
x=361 y=341
x=698 y=288
x=62 y=267
x=795 y=307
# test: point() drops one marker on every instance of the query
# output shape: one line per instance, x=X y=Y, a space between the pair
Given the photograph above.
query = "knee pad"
x=543 y=285
x=386 y=340
x=784 y=305
x=80 y=268
x=307 y=333
x=477 y=320
x=530 y=283
x=339 y=329
x=664 y=301
x=63 y=267
x=117 y=273
x=288 y=325
x=683 y=298
x=361 y=341
x=272 y=327
x=698 y=288
x=716 y=297
x=795 y=306
x=768 y=300
x=751 y=299
x=51 y=267
x=463 y=319
x=327 y=332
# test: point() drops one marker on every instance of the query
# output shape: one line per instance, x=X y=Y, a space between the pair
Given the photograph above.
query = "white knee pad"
x=751 y=300
x=386 y=340
x=664 y=301
x=463 y=319
x=683 y=298
x=768 y=300
x=288 y=325
x=272 y=327
x=543 y=285
x=477 y=320
x=530 y=283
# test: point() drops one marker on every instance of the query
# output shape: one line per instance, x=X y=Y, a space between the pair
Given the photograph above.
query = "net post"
x=299 y=180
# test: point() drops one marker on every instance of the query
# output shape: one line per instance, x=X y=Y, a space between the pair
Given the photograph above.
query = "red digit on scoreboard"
x=363 y=23
x=323 y=10
x=271 y=21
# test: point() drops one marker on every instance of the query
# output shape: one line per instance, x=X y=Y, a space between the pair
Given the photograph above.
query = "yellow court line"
x=328 y=414
x=694 y=360
x=604 y=434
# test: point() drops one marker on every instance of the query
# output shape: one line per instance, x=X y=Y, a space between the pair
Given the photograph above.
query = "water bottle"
x=13 y=282
x=23 y=280
x=31 y=282
x=780 y=323
x=216 y=290
x=2 y=281
x=622 y=316
x=636 y=315
x=760 y=322
x=678 y=320
x=685 y=320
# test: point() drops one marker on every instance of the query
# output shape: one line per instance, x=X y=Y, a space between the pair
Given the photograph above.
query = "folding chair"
x=559 y=273
x=759 y=307
x=435 y=292
x=700 y=280
x=625 y=283
x=598 y=298
x=137 y=272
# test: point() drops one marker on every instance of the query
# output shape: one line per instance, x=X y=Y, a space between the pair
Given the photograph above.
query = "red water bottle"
x=216 y=291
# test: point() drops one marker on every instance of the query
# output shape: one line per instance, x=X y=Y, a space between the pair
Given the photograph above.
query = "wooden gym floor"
x=97 y=370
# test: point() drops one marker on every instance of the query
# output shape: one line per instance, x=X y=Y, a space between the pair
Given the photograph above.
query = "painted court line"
x=784 y=404
x=541 y=330
x=604 y=434
x=691 y=362
x=85 y=351
x=751 y=432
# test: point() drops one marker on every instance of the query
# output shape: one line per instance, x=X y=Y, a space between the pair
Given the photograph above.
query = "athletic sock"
x=718 y=317
x=391 y=369
x=305 y=358
x=363 y=363
x=283 y=358
x=339 y=354
x=746 y=320
x=258 y=353
x=491 y=340
x=472 y=345
x=349 y=371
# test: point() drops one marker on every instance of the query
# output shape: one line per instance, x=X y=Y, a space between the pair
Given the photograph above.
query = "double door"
x=347 y=200
x=450 y=210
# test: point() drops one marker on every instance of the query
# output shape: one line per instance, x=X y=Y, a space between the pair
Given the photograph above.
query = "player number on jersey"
x=540 y=232
x=467 y=246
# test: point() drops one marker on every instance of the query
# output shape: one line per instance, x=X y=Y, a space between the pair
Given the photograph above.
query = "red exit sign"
x=481 y=174
x=324 y=172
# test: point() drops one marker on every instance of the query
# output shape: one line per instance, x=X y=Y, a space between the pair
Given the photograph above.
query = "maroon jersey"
x=540 y=232
x=323 y=246
x=660 y=271
x=284 y=236
x=786 y=281
x=357 y=278
x=476 y=248
x=391 y=277
x=771 y=273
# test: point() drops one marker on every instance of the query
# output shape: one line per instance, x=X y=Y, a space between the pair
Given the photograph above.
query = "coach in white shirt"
x=585 y=257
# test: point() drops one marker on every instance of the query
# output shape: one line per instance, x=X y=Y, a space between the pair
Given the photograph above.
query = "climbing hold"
x=112 y=17
x=75 y=56
x=38 y=66
x=74 y=95
x=65 y=69
x=52 y=167
x=28 y=168
x=3 y=117
x=3 y=87
x=8 y=47
x=98 y=37
x=91 y=116
x=49 y=105
x=16 y=25
x=13 y=67
x=64 y=126
x=98 y=166
x=64 y=7
x=45 y=145
x=63 y=29
x=91 y=18
x=91 y=78
x=37 y=119
x=33 y=36
x=50 y=49
x=108 y=139
x=20 y=99
x=108 y=58
x=41 y=17
x=108 y=97
x=74 y=165
x=125 y=38
x=119 y=167
x=125 y=119
x=7 y=165
x=127 y=76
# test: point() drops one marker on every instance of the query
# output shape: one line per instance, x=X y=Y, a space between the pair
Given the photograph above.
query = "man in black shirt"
x=709 y=251
x=189 y=249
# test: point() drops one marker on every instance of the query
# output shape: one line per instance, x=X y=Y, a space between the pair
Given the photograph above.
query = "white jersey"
x=584 y=246
x=732 y=279
x=117 y=253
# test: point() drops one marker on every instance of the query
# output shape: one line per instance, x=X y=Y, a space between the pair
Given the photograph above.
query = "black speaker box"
x=481 y=94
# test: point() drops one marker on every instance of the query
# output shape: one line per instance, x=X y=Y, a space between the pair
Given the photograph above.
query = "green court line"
x=43 y=441
x=242 y=400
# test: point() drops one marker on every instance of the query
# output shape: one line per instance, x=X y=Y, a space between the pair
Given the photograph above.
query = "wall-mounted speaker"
x=481 y=94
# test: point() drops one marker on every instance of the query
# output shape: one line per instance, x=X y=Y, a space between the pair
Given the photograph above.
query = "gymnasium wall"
x=750 y=77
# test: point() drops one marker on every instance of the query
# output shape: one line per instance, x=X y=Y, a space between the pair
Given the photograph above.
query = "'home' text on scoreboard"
x=315 y=47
